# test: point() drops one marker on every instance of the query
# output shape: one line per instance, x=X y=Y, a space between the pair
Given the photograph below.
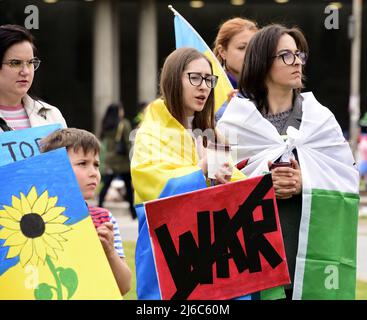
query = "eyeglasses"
x=19 y=64
x=196 y=79
x=289 y=57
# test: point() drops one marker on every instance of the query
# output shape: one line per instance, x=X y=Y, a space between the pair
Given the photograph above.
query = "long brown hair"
x=259 y=59
x=172 y=90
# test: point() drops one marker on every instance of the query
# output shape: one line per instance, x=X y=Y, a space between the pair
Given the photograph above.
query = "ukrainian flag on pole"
x=186 y=36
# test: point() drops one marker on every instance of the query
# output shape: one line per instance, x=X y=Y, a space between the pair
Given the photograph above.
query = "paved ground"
x=129 y=231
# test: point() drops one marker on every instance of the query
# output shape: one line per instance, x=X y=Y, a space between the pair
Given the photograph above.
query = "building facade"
x=96 y=52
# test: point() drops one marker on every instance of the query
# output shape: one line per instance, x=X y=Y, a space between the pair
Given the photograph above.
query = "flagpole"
x=176 y=13
x=173 y=10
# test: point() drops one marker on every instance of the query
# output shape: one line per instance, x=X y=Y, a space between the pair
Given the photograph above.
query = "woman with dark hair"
x=313 y=171
x=230 y=47
x=168 y=157
x=18 y=64
x=115 y=138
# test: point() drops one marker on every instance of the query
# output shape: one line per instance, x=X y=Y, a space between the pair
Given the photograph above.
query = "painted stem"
x=54 y=273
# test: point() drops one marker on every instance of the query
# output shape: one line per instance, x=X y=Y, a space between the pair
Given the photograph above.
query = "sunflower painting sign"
x=23 y=144
x=49 y=248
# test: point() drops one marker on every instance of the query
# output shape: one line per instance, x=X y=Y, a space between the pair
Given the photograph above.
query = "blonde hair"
x=228 y=30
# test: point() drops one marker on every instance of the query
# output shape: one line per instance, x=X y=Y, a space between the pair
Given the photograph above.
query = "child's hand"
x=105 y=234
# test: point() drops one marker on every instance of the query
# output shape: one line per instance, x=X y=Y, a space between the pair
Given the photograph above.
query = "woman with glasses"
x=18 y=110
x=169 y=150
x=299 y=140
x=230 y=48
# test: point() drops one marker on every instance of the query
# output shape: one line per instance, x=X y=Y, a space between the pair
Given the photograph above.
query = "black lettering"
x=11 y=151
x=23 y=143
x=37 y=140
x=194 y=263
x=227 y=246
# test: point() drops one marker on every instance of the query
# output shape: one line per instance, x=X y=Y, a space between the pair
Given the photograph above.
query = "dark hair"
x=11 y=34
x=172 y=89
x=71 y=138
x=258 y=61
x=111 y=118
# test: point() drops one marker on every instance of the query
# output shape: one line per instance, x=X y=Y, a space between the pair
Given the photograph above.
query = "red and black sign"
x=218 y=243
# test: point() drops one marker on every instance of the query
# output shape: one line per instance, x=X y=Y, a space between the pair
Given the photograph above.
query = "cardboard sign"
x=49 y=248
x=218 y=243
x=23 y=144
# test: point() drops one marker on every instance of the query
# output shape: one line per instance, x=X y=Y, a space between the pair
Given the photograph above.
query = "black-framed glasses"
x=289 y=57
x=196 y=79
x=19 y=64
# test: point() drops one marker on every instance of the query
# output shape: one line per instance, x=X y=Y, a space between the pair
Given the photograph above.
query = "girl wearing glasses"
x=168 y=157
x=230 y=48
x=18 y=64
x=313 y=171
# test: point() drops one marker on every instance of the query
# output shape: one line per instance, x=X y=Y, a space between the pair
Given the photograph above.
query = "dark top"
x=290 y=210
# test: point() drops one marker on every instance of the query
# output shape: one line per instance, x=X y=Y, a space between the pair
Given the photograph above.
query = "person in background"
x=18 y=110
x=115 y=137
x=230 y=48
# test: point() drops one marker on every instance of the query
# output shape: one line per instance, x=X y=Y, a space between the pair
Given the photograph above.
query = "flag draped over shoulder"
x=186 y=36
x=326 y=258
x=164 y=164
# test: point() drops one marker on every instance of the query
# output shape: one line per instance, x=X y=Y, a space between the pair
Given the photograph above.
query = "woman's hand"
x=287 y=181
x=231 y=94
x=224 y=174
x=203 y=162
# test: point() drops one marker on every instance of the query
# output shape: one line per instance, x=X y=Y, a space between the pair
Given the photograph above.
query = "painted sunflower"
x=32 y=227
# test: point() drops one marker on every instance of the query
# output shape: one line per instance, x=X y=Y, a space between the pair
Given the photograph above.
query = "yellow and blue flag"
x=165 y=163
x=186 y=36
x=49 y=248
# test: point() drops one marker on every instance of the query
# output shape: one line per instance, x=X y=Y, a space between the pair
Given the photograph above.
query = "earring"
x=224 y=64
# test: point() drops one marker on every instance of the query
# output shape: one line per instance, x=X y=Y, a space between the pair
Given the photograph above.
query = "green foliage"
x=43 y=292
x=129 y=248
x=69 y=280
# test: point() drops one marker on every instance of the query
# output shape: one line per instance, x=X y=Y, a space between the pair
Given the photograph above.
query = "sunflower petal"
x=13 y=213
x=60 y=219
x=55 y=228
x=15 y=202
x=16 y=239
x=52 y=242
x=6 y=233
x=34 y=260
x=10 y=224
x=51 y=203
x=59 y=237
x=51 y=252
x=3 y=214
x=53 y=213
x=14 y=251
x=40 y=247
x=26 y=252
x=32 y=196
x=26 y=207
x=40 y=204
